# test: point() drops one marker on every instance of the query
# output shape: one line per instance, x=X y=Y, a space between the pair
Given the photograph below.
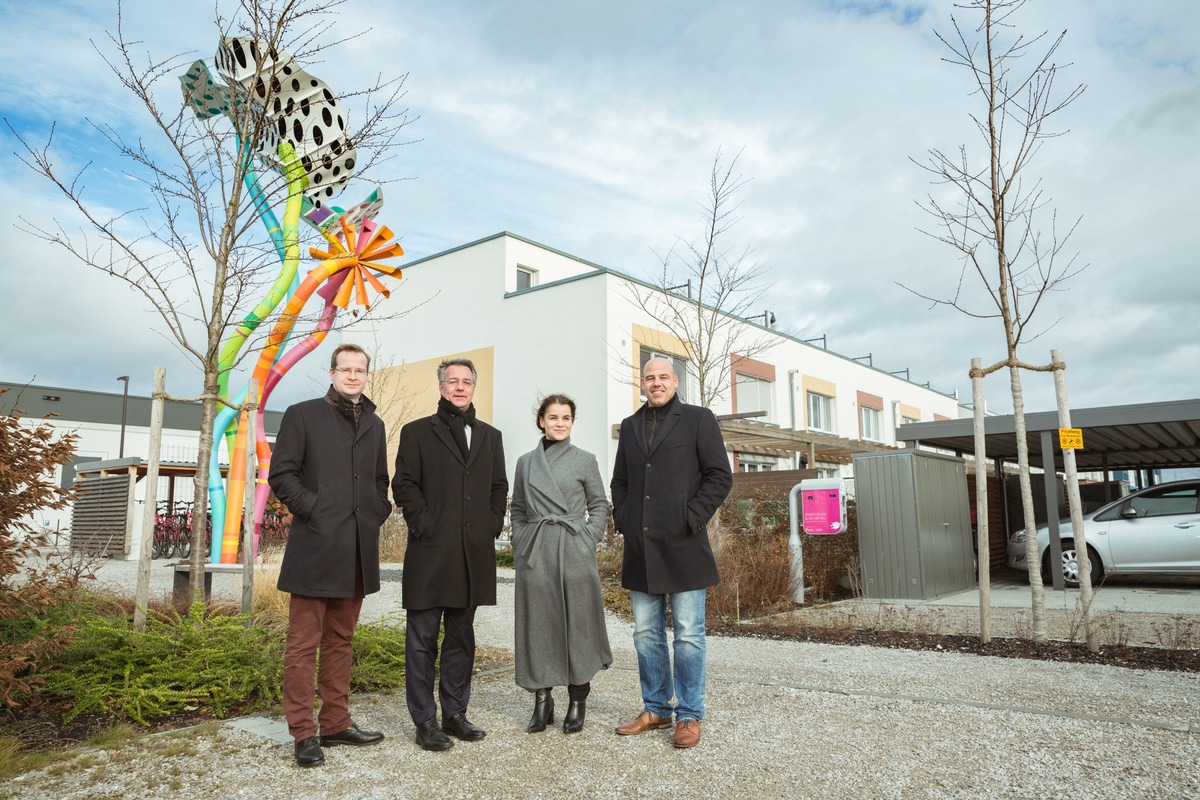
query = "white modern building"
x=113 y=432
x=536 y=321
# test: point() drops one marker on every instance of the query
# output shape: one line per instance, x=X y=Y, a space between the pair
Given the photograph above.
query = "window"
x=680 y=364
x=908 y=420
x=872 y=423
x=1177 y=500
x=820 y=413
x=526 y=278
x=754 y=464
x=755 y=394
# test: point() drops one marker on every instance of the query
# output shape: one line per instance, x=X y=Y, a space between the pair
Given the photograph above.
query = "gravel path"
x=785 y=719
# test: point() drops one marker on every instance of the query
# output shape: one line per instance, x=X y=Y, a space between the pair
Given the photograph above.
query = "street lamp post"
x=124 y=408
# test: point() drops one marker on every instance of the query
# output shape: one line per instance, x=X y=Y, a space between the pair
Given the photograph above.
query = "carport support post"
x=981 y=505
x=794 y=546
x=1050 y=481
x=1081 y=551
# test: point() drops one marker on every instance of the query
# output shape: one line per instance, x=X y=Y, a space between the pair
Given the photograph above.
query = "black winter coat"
x=663 y=499
x=454 y=507
x=333 y=478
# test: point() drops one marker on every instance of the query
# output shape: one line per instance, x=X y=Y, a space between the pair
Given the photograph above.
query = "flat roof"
x=84 y=405
x=1143 y=436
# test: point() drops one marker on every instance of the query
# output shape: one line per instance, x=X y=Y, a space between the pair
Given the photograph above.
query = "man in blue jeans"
x=670 y=477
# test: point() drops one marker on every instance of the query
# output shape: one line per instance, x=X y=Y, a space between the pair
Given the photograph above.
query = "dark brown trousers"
x=327 y=624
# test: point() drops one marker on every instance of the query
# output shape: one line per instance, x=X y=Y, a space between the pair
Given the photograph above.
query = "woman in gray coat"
x=559 y=515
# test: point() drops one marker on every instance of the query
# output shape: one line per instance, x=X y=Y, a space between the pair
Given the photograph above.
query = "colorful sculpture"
x=298 y=130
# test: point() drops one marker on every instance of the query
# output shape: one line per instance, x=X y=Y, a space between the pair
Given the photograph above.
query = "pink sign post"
x=823 y=506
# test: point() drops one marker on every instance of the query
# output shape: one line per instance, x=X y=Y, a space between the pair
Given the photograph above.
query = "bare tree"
x=995 y=222
x=195 y=253
x=707 y=290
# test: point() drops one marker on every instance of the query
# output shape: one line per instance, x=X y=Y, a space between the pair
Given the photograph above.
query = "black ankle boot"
x=543 y=711
x=573 y=721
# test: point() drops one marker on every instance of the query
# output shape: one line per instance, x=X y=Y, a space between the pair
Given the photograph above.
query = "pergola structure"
x=743 y=434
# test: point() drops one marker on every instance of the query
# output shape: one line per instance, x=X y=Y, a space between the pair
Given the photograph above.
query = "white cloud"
x=592 y=127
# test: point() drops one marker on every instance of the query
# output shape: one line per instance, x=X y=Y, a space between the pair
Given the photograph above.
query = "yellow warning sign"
x=1070 y=438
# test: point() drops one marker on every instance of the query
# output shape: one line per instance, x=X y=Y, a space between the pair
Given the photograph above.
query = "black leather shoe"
x=460 y=727
x=543 y=711
x=353 y=735
x=573 y=721
x=309 y=752
x=430 y=738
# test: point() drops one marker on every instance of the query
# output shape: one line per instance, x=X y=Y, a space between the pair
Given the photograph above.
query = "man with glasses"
x=450 y=482
x=329 y=467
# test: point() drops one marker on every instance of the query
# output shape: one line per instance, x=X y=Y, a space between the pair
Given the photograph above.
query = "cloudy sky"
x=591 y=127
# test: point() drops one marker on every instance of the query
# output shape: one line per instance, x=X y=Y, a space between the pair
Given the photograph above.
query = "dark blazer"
x=664 y=497
x=454 y=507
x=333 y=478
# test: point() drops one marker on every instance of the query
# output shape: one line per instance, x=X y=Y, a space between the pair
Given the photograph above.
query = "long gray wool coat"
x=559 y=514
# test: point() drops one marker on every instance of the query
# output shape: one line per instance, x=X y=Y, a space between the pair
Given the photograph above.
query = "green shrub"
x=207 y=660
x=378 y=657
x=175 y=664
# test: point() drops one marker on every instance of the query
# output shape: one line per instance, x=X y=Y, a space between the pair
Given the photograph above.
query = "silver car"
x=1151 y=531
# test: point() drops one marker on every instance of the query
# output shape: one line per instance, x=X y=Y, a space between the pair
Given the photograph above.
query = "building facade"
x=96 y=419
x=536 y=321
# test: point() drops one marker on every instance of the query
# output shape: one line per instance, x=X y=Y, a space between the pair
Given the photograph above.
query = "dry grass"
x=393 y=539
x=755 y=575
x=750 y=542
x=270 y=606
x=1116 y=628
x=1177 y=633
x=755 y=561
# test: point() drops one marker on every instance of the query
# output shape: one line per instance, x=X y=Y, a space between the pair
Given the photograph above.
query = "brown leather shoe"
x=645 y=721
x=687 y=733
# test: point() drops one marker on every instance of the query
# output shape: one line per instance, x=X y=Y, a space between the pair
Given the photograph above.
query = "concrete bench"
x=182 y=590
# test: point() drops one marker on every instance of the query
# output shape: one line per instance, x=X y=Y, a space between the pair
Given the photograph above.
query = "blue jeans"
x=659 y=682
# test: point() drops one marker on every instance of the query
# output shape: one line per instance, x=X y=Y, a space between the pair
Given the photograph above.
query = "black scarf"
x=350 y=410
x=654 y=418
x=457 y=420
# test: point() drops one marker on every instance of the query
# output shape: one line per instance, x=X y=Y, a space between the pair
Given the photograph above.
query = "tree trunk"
x=1036 y=589
x=208 y=412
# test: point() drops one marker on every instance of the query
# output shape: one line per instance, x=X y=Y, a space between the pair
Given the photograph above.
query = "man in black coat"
x=451 y=484
x=329 y=467
x=670 y=476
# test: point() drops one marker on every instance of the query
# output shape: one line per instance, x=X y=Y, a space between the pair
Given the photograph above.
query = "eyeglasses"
x=466 y=383
x=351 y=371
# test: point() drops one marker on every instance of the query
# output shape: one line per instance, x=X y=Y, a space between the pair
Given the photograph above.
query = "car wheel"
x=1070 y=565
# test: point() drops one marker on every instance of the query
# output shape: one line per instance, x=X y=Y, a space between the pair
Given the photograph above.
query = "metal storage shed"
x=914 y=526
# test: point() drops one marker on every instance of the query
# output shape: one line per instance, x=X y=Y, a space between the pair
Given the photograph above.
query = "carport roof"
x=1143 y=436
